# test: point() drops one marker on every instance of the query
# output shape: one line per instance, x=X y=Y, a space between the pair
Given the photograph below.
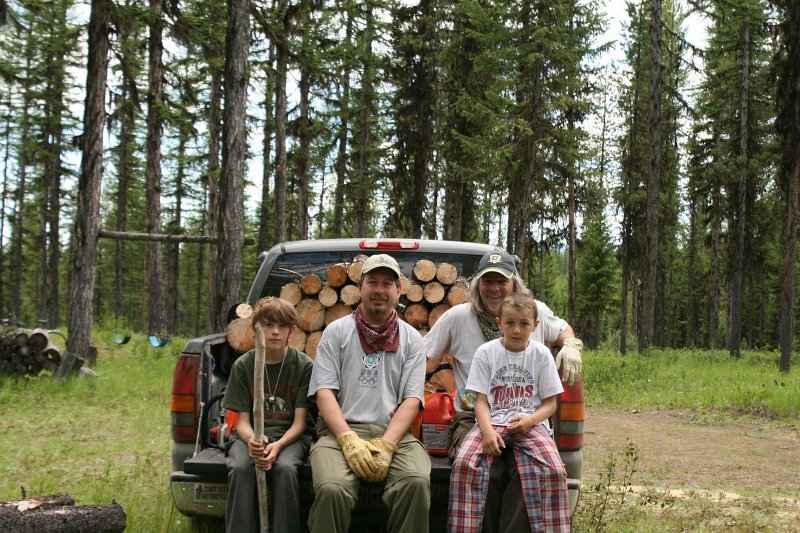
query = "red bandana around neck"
x=385 y=336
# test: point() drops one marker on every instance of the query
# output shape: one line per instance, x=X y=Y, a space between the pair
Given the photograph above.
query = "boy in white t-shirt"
x=516 y=383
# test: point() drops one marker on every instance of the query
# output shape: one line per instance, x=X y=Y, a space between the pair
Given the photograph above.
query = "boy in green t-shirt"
x=287 y=436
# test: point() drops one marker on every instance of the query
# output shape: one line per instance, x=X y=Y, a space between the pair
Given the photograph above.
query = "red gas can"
x=439 y=412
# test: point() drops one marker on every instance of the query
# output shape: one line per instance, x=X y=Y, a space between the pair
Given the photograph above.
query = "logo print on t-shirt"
x=369 y=374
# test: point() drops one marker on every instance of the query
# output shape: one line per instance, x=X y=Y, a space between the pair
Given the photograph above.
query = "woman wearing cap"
x=459 y=332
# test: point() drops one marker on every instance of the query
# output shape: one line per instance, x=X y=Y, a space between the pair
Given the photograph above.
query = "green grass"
x=668 y=379
x=99 y=439
x=108 y=438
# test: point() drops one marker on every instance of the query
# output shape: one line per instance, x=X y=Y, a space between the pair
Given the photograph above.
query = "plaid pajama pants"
x=541 y=472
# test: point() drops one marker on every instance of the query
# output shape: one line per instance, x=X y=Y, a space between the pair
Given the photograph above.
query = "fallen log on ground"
x=58 y=513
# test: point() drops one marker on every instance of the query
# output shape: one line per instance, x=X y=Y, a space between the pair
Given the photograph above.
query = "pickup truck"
x=198 y=423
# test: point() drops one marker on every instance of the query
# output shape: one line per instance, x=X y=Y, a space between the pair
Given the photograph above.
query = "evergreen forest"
x=652 y=198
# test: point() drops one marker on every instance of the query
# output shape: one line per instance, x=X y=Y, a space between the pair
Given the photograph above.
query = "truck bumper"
x=199 y=496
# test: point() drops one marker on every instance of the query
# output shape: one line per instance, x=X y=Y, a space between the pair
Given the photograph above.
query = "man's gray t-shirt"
x=457 y=331
x=370 y=386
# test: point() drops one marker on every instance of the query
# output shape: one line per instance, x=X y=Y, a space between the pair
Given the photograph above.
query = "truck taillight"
x=571 y=415
x=184 y=408
x=388 y=244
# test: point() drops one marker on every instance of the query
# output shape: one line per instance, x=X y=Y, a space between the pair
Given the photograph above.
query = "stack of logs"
x=431 y=290
x=27 y=353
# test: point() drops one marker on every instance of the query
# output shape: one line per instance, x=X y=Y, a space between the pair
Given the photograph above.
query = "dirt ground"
x=698 y=454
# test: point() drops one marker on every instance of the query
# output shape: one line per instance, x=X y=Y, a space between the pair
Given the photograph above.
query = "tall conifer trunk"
x=231 y=219
x=282 y=49
x=737 y=274
x=154 y=270
x=648 y=318
x=789 y=130
x=87 y=218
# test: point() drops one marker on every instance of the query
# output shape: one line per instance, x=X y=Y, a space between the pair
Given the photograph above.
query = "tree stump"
x=336 y=275
x=424 y=270
x=312 y=341
x=350 y=295
x=310 y=315
x=58 y=514
x=416 y=315
x=457 y=295
x=240 y=334
x=311 y=284
x=292 y=293
x=354 y=271
x=405 y=283
x=416 y=293
x=436 y=312
x=328 y=296
x=298 y=339
x=336 y=312
x=446 y=274
x=433 y=292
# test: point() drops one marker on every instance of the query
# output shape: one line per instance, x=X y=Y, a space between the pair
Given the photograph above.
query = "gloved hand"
x=569 y=360
x=386 y=449
x=358 y=454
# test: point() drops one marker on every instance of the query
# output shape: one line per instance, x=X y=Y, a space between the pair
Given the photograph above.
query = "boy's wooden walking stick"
x=258 y=424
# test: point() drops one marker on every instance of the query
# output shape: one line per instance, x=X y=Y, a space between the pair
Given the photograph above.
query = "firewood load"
x=26 y=353
x=322 y=297
x=57 y=513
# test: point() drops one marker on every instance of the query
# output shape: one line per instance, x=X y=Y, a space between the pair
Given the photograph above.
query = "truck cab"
x=198 y=423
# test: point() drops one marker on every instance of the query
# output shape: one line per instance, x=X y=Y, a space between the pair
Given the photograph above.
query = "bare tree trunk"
x=231 y=227
x=3 y=200
x=735 y=317
x=123 y=171
x=623 y=297
x=573 y=245
x=789 y=128
x=173 y=254
x=691 y=274
x=154 y=271
x=305 y=140
x=344 y=128
x=264 y=221
x=87 y=218
x=653 y=181
x=19 y=201
x=280 y=132
x=212 y=184
x=366 y=104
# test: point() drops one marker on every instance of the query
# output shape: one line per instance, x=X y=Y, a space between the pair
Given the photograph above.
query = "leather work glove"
x=569 y=360
x=358 y=454
x=386 y=449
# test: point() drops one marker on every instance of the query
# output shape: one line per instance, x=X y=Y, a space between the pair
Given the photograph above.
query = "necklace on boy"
x=269 y=386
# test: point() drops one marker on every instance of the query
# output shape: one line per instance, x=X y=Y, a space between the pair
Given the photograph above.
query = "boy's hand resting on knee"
x=492 y=442
x=519 y=425
x=358 y=454
x=263 y=453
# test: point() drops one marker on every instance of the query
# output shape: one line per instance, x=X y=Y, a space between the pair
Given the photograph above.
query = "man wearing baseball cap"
x=459 y=332
x=368 y=379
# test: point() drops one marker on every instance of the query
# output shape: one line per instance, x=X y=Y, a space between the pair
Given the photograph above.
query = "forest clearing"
x=652 y=199
x=724 y=458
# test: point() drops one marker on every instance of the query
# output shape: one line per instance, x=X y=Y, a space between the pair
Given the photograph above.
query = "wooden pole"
x=258 y=424
x=131 y=236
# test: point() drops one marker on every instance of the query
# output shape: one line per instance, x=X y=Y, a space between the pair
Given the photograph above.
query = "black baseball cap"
x=498 y=260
